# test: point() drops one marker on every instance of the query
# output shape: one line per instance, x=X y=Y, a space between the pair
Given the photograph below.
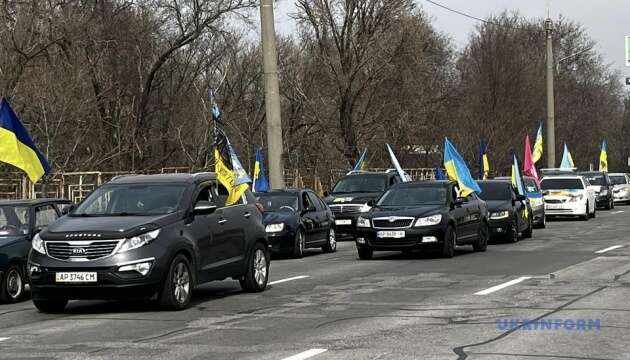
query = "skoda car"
x=350 y=196
x=19 y=221
x=296 y=219
x=149 y=236
x=602 y=186
x=621 y=187
x=568 y=195
x=423 y=215
x=510 y=213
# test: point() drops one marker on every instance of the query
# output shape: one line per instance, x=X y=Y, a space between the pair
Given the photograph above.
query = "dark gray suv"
x=149 y=236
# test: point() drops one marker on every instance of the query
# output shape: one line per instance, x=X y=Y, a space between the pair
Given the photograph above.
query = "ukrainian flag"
x=517 y=182
x=16 y=146
x=361 y=163
x=567 y=160
x=603 y=157
x=261 y=184
x=457 y=171
x=538 y=145
x=484 y=163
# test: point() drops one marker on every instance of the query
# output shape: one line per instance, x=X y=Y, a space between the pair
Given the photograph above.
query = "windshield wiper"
x=124 y=213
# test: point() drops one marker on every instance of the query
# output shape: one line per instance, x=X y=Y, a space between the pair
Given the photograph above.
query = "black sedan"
x=296 y=219
x=19 y=221
x=510 y=213
x=423 y=215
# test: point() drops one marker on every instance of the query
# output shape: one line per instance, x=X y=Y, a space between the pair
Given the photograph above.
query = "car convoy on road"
x=159 y=236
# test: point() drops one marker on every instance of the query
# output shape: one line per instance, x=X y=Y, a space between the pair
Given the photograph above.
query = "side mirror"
x=37 y=230
x=204 y=208
x=67 y=209
x=371 y=203
x=326 y=193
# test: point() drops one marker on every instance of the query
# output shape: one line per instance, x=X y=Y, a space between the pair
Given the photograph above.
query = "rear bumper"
x=431 y=237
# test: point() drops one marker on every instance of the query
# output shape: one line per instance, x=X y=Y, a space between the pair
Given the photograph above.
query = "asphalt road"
x=396 y=306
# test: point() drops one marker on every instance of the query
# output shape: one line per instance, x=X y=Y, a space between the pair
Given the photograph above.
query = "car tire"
x=177 y=289
x=527 y=233
x=483 y=234
x=543 y=224
x=593 y=214
x=50 y=306
x=298 y=244
x=331 y=244
x=257 y=273
x=450 y=239
x=12 y=285
x=512 y=233
x=365 y=254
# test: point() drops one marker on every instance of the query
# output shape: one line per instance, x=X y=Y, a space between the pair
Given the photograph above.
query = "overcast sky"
x=607 y=21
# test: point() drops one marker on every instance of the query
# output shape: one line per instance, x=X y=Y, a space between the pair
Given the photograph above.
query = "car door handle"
x=247 y=215
x=222 y=221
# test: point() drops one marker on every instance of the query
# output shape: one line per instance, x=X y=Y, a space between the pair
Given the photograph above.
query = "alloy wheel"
x=332 y=239
x=181 y=283
x=260 y=267
x=14 y=283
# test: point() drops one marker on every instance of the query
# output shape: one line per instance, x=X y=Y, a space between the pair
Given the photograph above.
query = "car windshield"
x=278 y=202
x=596 y=180
x=413 y=196
x=618 y=179
x=357 y=183
x=561 y=184
x=495 y=191
x=131 y=199
x=13 y=220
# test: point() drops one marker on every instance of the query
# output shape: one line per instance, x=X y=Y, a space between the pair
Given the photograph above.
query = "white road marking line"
x=306 y=354
x=4 y=338
x=608 y=249
x=501 y=286
x=617 y=212
x=288 y=279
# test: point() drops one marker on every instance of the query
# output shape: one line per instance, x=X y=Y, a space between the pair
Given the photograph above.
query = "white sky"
x=607 y=21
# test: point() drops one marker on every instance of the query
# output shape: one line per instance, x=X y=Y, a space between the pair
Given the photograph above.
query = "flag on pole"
x=17 y=147
x=230 y=172
x=567 y=160
x=361 y=163
x=403 y=176
x=538 y=145
x=484 y=164
x=517 y=181
x=529 y=167
x=457 y=171
x=261 y=183
x=603 y=157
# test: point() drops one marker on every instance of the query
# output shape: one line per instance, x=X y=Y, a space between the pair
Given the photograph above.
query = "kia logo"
x=78 y=251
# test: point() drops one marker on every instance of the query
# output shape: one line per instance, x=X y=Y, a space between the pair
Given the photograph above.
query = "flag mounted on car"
x=567 y=160
x=261 y=183
x=603 y=157
x=538 y=145
x=484 y=164
x=403 y=175
x=17 y=147
x=361 y=163
x=517 y=181
x=457 y=171
x=529 y=167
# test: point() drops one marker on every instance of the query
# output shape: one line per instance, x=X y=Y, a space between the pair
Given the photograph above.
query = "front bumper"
x=619 y=196
x=345 y=225
x=111 y=283
x=499 y=227
x=566 y=209
x=602 y=200
x=281 y=241
x=429 y=237
x=538 y=214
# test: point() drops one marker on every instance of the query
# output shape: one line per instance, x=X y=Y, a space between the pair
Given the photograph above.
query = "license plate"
x=554 y=206
x=390 y=234
x=75 y=277
x=343 y=222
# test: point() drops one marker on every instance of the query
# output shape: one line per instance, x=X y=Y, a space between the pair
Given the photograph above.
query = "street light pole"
x=551 y=134
x=272 y=95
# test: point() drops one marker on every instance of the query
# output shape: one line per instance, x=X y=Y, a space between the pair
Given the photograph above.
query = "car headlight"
x=38 y=244
x=603 y=192
x=499 y=215
x=576 y=198
x=274 y=228
x=138 y=241
x=365 y=208
x=429 y=220
x=363 y=222
x=536 y=201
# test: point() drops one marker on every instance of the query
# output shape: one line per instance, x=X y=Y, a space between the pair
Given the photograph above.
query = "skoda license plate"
x=390 y=234
x=343 y=222
x=75 y=277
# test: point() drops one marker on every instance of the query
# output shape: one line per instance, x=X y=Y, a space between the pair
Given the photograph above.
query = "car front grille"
x=393 y=242
x=392 y=223
x=346 y=209
x=555 y=201
x=81 y=250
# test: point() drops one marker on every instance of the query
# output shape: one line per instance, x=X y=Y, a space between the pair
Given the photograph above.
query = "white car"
x=621 y=187
x=568 y=195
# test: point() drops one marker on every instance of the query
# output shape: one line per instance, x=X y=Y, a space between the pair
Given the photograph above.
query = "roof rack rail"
x=121 y=176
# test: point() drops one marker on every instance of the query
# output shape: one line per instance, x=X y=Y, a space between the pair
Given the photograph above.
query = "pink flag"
x=529 y=168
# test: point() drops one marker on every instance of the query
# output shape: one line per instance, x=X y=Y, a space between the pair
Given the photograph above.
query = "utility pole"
x=551 y=133
x=272 y=95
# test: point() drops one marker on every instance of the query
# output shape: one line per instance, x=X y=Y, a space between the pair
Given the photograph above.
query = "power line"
x=472 y=17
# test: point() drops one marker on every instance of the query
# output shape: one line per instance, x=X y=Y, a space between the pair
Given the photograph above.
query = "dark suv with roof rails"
x=349 y=198
x=149 y=236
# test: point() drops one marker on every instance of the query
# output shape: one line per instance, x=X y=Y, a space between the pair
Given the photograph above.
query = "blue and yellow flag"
x=261 y=183
x=16 y=146
x=361 y=163
x=484 y=164
x=538 y=145
x=567 y=160
x=517 y=181
x=457 y=171
x=603 y=157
